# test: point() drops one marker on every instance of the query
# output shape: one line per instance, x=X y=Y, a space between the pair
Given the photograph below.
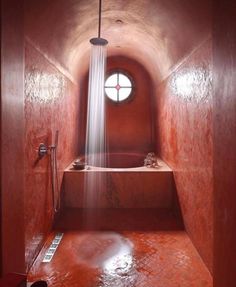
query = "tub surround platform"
x=162 y=167
x=139 y=187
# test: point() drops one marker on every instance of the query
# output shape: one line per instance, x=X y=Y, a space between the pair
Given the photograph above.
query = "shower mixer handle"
x=43 y=149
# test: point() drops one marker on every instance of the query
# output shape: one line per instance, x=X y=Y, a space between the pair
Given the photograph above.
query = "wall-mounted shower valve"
x=43 y=150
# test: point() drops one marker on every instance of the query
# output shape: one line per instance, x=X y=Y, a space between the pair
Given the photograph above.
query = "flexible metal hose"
x=54 y=172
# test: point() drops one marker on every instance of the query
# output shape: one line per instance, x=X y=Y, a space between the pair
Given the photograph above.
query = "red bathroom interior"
x=171 y=225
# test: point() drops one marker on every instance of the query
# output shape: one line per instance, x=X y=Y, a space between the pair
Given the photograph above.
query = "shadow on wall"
x=39 y=284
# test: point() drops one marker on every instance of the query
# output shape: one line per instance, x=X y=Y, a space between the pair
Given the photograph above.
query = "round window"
x=118 y=87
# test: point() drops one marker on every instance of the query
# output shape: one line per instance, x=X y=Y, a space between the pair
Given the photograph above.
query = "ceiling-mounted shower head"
x=98 y=41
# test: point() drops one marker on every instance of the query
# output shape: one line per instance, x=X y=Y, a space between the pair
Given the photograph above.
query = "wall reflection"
x=42 y=87
x=192 y=84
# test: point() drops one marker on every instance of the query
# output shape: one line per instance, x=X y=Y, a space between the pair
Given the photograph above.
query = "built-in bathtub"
x=120 y=160
x=128 y=184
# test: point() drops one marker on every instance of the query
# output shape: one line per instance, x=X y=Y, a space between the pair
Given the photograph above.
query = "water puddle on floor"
x=111 y=253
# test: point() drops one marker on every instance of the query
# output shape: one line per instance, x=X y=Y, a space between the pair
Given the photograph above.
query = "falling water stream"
x=95 y=132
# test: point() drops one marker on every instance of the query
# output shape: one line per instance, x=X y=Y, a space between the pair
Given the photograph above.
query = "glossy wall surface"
x=12 y=132
x=224 y=117
x=51 y=103
x=184 y=133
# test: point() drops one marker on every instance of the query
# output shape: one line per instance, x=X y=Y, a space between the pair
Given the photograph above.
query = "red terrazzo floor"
x=128 y=258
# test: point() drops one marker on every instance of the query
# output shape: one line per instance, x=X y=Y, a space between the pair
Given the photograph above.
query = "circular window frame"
x=131 y=95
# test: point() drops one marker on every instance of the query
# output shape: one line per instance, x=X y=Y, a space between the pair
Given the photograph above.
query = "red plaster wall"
x=51 y=103
x=184 y=141
x=224 y=119
x=129 y=124
x=12 y=132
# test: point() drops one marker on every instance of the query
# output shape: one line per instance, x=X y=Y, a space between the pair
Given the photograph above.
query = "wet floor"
x=122 y=259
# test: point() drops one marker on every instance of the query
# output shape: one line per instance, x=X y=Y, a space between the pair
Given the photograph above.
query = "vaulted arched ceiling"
x=156 y=33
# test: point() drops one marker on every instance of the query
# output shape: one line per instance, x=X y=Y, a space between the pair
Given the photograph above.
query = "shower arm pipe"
x=100 y=19
x=99 y=41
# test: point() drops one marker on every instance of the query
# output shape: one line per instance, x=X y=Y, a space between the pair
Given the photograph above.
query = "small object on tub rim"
x=151 y=160
x=79 y=165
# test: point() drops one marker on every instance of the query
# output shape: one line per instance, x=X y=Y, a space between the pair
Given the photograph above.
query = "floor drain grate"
x=53 y=247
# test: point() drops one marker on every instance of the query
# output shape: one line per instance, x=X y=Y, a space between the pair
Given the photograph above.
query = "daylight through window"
x=118 y=87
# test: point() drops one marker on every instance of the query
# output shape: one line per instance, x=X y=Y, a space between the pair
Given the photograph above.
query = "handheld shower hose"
x=55 y=186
